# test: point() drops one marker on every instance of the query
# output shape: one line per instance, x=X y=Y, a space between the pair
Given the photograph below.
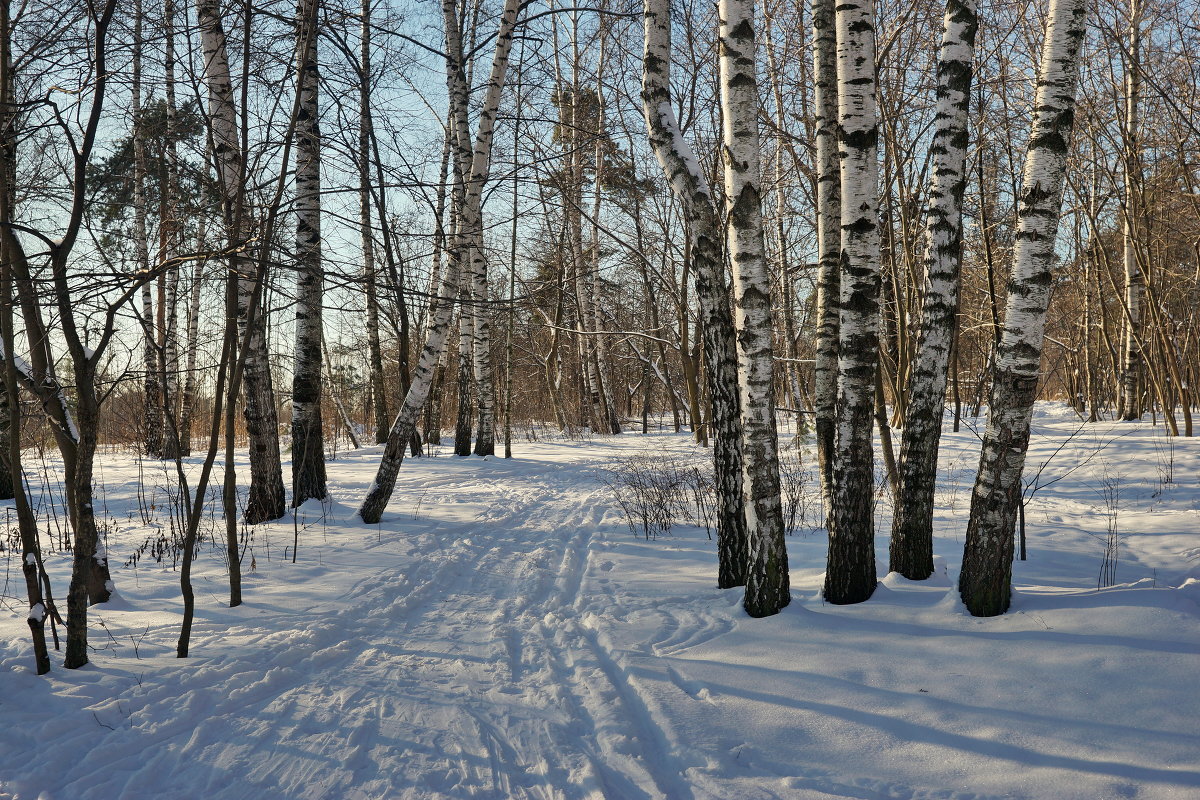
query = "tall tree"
x=985 y=581
x=441 y=307
x=308 y=441
x=266 y=497
x=829 y=237
x=912 y=521
x=850 y=572
x=767 y=590
x=1135 y=282
x=703 y=226
x=379 y=395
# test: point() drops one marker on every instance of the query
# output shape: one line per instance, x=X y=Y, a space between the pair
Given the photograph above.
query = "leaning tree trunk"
x=912 y=523
x=479 y=159
x=266 y=498
x=308 y=440
x=1132 y=362
x=850 y=572
x=985 y=581
x=767 y=567
x=441 y=308
x=829 y=241
x=689 y=185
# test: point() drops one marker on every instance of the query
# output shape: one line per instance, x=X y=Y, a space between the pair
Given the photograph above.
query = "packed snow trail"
x=502 y=635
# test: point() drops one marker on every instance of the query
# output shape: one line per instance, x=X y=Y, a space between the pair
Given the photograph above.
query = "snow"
x=501 y=634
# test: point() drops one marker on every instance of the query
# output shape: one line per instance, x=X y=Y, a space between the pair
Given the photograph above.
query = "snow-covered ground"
x=503 y=634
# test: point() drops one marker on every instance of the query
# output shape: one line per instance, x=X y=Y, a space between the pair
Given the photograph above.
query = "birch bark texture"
x=850 y=572
x=985 y=581
x=308 y=441
x=477 y=159
x=441 y=309
x=829 y=238
x=767 y=589
x=691 y=188
x=266 y=497
x=1135 y=282
x=912 y=524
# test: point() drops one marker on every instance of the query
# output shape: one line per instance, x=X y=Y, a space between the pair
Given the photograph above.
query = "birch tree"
x=703 y=225
x=379 y=399
x=985 y=581
x=1135 y=282
x=767 y=590
x=850 y=572
x=266 y=497
x=912 y=522
x=441 y=308
x=308 y=442
x=152 y=417
x=829 y=239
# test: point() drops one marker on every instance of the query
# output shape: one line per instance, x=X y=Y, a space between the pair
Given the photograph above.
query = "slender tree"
x=829 y=238
x=912 y=521
x=308 y=441
x=266 y=497
x=703 y=226
x=767 y=568
x=1135 y=282
x=441 y=307
x=850 y=572
x=985 y=581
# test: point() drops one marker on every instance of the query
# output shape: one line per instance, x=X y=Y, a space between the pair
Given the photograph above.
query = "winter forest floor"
x=503 y=634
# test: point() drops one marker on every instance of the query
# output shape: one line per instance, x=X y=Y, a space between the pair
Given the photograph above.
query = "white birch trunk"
x=266 y=498
x=308 y=441
x=985 y=581
x=912 y=523
x=152 y=405
x=441 y=309
x=767 y=567
x=690 y=186
x=1135 y=283
x=471 y=221
x=168 y=246
x=829 y=238
x=850 y=572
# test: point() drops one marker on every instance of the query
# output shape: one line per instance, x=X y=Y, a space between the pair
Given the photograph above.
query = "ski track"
x=480 y=645
x=473 y=675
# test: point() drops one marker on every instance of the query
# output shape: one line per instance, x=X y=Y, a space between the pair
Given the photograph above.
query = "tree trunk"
x=828 y=217
x=1135 y=282
x=374 y=347
x=850 y=573
x=441 y=308
x=720 y=350
x=168 y=236
x=308 y=440
x=767 y=567
x=266 y=498
x=152 y=418
x=985 y=581
x=912 y=523
x=188 y=399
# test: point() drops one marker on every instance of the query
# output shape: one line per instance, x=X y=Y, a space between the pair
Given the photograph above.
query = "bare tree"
x=985 y=581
